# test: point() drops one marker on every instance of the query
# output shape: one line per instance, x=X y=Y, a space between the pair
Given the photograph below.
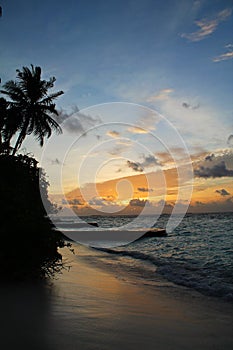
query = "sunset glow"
x=153 y=89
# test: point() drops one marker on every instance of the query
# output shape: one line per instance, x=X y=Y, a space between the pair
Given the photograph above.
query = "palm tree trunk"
x=20 y=139
x=1 y=142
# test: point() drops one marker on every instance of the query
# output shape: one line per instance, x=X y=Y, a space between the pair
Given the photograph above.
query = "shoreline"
x=103 y=310
x=90 y=306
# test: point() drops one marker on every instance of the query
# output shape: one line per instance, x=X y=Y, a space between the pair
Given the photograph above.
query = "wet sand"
x=90 y=307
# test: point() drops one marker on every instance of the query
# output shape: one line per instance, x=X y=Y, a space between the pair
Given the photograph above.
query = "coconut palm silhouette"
x=32 y=107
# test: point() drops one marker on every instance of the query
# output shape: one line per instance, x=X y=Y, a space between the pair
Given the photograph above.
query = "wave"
x=190 y=275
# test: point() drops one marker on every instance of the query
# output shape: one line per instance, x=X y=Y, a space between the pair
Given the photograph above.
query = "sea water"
x=198 y=254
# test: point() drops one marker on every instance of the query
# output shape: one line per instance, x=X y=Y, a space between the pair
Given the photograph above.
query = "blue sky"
x=102 y=51
x=130 y=51
x=173 y=56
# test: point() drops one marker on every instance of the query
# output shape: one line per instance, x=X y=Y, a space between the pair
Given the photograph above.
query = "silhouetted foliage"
x=29 y=245
x=30 y=107
x=7 y=126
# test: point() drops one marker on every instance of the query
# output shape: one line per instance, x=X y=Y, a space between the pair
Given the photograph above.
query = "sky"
x=147 y=111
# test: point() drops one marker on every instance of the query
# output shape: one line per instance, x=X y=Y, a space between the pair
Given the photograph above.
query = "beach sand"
x=92 y=307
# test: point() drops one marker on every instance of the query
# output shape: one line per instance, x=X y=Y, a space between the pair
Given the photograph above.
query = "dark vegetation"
x=29 y=244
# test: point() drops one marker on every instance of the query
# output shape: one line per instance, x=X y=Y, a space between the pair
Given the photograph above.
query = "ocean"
x=198 y=254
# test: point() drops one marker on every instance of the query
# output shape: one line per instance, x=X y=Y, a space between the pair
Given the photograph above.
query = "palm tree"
x=7 y=128
x=3 y=109
x=31 y=106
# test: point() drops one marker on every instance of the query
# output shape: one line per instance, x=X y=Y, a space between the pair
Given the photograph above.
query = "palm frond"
x=31 y=105
x=49 y=99
x=12 y=89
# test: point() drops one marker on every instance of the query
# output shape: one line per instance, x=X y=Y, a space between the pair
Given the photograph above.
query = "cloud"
x=55 y=161
x=172 y=156
x=144 y=189
x=199 y=203
x=76 y=122
x=165 y=157
x=210 y=157
x=111 y=198
x=191 y=123
x=223 y=192
x=207 y=26
x=185 y=105
x=218 y=170
x=225 y=56
x=188 y=106
x=120 y=147
x=166 y=206
x=97 y=201
x=196 y=4
x=113 y=133
x=148 y=161
x=134 y=166
x=136 y=130
x=139 y=202
x=214 y=207
x=116 y=151
x=230 y=140
x=161 y=95
x=145 y=123
x=217 y=164
x=73 y=201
